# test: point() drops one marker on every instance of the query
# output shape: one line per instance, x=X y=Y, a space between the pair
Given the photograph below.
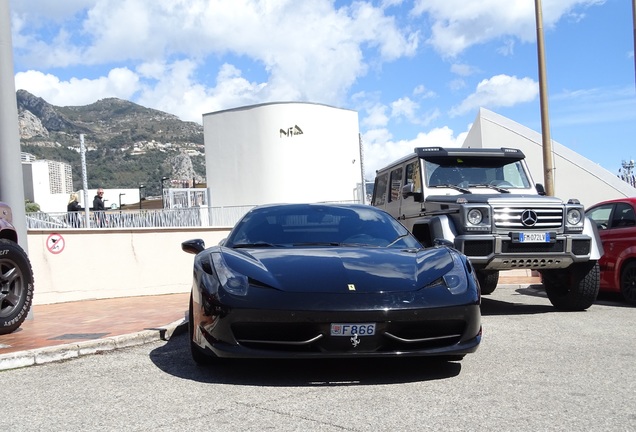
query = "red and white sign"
x=55 y=243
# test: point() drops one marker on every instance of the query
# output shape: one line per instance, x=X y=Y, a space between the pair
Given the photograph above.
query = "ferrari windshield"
x=467 y=171
x=318 y=225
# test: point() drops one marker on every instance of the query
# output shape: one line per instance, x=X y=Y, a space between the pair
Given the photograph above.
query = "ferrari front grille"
x=393 y=336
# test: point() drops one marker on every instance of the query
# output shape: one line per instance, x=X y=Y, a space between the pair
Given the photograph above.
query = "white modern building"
x=47 y=183
x=574 y=175
x=282 y=152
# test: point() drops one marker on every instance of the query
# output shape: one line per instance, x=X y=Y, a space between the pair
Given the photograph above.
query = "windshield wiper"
x=491 y=186
x=254 y=245
x=317 y=244
x=453 y=186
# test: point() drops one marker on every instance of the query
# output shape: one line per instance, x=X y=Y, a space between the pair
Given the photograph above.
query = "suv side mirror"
x=408 y=190
x=540 y=189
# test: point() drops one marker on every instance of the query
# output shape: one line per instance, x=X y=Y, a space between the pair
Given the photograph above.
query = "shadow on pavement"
x=174 y=358
x=612 y=299
x=490 y=305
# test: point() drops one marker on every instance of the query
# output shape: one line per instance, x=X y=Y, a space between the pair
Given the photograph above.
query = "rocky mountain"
x=127 y=144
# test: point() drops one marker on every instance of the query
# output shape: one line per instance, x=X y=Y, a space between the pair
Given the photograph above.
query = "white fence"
x=166 y=218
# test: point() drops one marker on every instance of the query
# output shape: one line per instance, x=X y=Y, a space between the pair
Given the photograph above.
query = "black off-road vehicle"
x=16 y=276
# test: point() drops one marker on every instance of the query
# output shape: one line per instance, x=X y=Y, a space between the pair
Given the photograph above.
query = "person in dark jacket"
x=98 y=201
x=98 y=208
x=73 y=205
x=73 y=218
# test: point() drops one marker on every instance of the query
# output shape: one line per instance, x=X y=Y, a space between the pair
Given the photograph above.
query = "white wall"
x=105 y=263
x=574 y=175
x=250 y=162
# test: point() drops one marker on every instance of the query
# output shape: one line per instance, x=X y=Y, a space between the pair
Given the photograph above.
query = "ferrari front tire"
x=198 y=356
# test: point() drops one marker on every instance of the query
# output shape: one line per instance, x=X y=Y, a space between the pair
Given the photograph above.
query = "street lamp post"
x=548 y=163
x=120 y=199
x=140 y=188
x=163 y=201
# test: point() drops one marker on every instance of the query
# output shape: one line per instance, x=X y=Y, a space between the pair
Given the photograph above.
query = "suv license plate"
x=350 y=329
x=543 y=237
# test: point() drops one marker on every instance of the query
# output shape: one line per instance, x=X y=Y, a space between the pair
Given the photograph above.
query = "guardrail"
x=161 y=218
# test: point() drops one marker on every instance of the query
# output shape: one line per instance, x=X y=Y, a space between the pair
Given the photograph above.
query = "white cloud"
x=404 y=107
x=305 y=50
x=507 y=48
x=459 y=24
x=499 y=91
x=120 y=82
x=422 y=92
x=376 y=116
x=176 y=91
x=379 y=150
x=463 y=69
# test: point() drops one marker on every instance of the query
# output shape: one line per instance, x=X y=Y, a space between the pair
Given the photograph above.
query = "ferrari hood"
x=339 y=269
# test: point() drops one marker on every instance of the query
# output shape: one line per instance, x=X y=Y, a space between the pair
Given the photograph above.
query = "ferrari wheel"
x=628 y=282
x=16 y=286
x=197 y=355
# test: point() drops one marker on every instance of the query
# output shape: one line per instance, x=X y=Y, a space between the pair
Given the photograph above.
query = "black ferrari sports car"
x=329 y=280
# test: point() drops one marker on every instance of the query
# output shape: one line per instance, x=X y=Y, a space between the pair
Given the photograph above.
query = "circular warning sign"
x=55 y=243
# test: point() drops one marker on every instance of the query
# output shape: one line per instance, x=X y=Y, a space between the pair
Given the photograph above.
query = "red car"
x=616 y=222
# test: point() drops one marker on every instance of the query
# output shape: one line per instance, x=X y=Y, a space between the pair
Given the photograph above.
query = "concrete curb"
x=58 y=353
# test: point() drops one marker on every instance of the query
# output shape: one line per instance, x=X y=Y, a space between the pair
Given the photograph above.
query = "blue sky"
x=416 y=71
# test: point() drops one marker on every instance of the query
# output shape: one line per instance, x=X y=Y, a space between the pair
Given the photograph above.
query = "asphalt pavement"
x=63 y=331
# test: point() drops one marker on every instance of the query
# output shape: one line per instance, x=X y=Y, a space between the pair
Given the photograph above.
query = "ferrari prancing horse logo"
x=354 y=340
x=351 y=287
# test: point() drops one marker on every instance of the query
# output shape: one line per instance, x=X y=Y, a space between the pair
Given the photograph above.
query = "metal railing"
x=161 y=218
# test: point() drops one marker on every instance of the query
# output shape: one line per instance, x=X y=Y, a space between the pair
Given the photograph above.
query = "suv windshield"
x=467 y=172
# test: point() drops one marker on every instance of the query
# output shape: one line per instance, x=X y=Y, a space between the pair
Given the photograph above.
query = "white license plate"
x=534 y=237
x=350 y=329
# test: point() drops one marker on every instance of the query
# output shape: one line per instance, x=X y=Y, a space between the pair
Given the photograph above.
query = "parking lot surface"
x=536 y=369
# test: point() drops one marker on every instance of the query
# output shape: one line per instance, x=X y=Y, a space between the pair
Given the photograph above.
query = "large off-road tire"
x=628 y=282
x=488 y=281
x=574 y=288
x=16 y=286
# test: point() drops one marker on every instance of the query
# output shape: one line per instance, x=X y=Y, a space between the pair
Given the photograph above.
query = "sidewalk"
x=66 y=330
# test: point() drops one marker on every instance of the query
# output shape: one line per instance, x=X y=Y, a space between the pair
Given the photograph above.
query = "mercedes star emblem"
x=529 y=218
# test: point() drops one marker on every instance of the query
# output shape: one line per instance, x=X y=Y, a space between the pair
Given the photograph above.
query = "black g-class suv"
x=485 y=203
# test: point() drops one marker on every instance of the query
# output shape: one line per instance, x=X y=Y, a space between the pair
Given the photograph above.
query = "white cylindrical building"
x=281 y=152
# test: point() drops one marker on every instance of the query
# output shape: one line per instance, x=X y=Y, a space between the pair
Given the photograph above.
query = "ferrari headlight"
x=232 y=282
x=474 y=216
x=456 y=280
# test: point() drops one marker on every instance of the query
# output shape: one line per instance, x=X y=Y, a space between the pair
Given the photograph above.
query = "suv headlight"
x=574 y=219
x=474 y=216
